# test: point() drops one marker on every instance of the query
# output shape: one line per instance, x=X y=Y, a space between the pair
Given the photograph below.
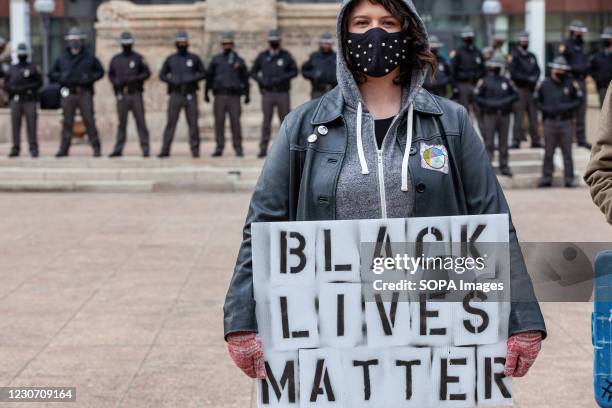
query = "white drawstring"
x=362 y=159
x=407 y=151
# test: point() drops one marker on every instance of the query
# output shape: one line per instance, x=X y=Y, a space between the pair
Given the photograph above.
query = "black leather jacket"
x=298 y=183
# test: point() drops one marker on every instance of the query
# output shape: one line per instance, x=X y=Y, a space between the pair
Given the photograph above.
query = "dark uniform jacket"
x=573 y=51
x=524 y=69
x=182 y=72
x=77 y=71
x=320 y=70
x=274 y=71
x=23 y=81
x=558 y=99
x=468 y=64
x=601 y=68
x=495 y=94
x=299 y=180
x=127 y=72
x=443 y=79
x=228 y=74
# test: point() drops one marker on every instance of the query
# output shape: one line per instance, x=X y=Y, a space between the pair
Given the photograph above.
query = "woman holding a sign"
x=377 y=146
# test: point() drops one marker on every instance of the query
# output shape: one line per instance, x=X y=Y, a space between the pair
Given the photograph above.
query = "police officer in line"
x=273 y=70
x=443 y=82
x=558 y=97
x=573 y=51
x=182 y=71
x=468 y=68
x=76 y=70
x=495 y=49
x=5 y=64
x=22 y=83
x=127 y=72
x=228 y=78
x=601 y=64
x=525 y=73
x=495 y=95
x=320 y=69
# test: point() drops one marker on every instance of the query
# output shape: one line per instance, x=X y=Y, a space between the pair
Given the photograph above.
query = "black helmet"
x=181 y=36
x=559 y=63
x=126 y=38
x=274 y=35
x=227 y=37
x=326 y=38
x=467 y=32
x=22 y=49
x=74 y=34
x=434 y=42
x=578 y=26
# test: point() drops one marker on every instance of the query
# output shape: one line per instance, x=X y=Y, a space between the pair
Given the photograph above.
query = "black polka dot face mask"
x=376 y=52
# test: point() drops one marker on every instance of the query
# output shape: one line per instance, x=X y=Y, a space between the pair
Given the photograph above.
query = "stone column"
x=535 y=23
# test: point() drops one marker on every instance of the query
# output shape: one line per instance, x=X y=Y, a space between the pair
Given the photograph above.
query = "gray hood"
x=350 y=90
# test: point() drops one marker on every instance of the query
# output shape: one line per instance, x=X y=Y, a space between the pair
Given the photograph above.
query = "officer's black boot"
x=145 y=152
x=544 y=183
x=239 y=151
x=263 y=152
x=63 y=150
x=218 y=152
x=586 y=145
x=116 y=153
x=97 y=149
x=506 y=172
x=14 y=152
x=34 y=153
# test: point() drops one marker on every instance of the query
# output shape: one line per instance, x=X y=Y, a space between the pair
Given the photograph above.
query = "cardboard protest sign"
x=356 y=314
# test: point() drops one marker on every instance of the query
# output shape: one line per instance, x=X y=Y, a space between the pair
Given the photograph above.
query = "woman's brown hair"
x=419 y=53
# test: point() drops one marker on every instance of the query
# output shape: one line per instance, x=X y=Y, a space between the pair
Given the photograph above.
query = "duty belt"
x=564 y=116
x=66 y=91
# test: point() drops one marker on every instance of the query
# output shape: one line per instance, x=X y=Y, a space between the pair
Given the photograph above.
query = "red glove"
x=523 y=349
x=246 y=350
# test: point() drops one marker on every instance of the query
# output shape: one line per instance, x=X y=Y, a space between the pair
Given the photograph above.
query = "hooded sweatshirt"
x=374 y=183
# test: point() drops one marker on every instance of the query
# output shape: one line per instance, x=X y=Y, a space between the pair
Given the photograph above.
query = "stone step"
x=530 y=181
x=169 y=175
x=128 y=162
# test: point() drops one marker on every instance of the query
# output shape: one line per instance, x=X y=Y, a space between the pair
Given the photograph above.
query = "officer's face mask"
x=496 y=71
x=75 y=46
x=607 y=43
x=469 y=41
x=275 y=45
x=23 y=58
x=182 y=48
x=524 y=45
x=127 y=48
x=227 y=49
x=376 y=52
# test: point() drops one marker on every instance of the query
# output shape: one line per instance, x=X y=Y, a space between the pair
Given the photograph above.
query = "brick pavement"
x=121 y=296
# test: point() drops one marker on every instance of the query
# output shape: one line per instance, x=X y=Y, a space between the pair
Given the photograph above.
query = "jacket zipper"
x=381 y=183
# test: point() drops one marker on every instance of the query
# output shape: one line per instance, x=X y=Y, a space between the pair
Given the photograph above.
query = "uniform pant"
x=176 y=103
x=125 y=104
x=500 y=123
x=27 y=110
x=526 y=105
x=580 y=120
x=268 y=101
x=317 y=94
x=558 y=133
x=466 y=95
x=222 y=106
x=83 y=101
x=602 y=95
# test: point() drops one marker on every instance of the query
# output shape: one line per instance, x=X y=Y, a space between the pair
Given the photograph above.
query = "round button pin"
x=322 y=130
x=312 y=138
